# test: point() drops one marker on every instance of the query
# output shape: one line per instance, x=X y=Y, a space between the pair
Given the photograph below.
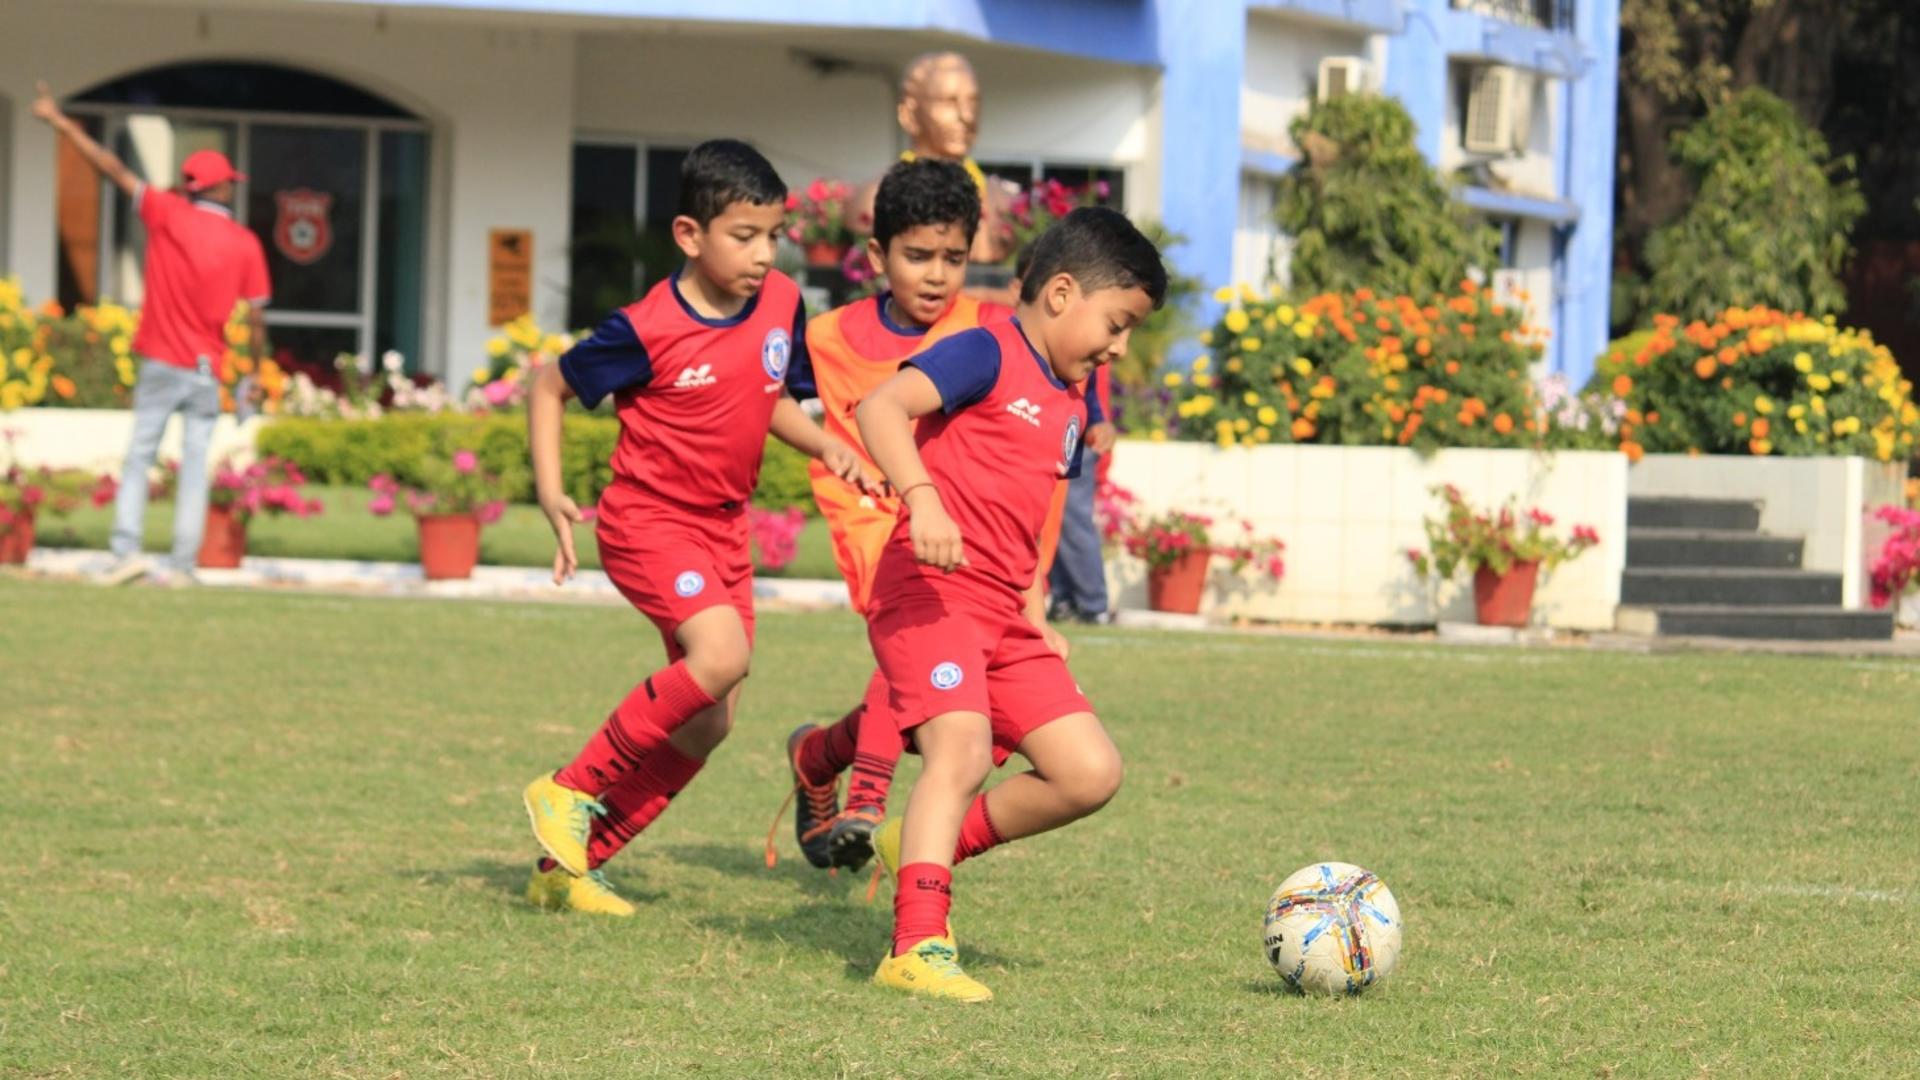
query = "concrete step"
x=1665 y=512
x=1784 y=623
x=1734 y=586
x=1700 y=548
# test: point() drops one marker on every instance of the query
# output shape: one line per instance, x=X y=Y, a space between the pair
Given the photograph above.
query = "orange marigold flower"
x=1465 y=416
x=1726 y=383
x=1503 y=424
x=1453 y=367
x=1705 y=367
x=1466 y=328
x=1467 y=286
x=1739 y=419
x=1728 y=356
x=1760 y=427
x=1423 y=347
x=1383 y=323
x=1622 y=386
x=1302 y=429
x=1633 y=450
x=1363 y=294
x=1633 y=416
x=63 y=386
x=1653 y=418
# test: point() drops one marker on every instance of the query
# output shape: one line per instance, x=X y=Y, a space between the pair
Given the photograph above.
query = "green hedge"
x=354 y=451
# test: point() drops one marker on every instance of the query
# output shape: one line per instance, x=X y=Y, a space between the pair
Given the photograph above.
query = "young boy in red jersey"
x=956 y=619
x=925 y=215
x=700 y=371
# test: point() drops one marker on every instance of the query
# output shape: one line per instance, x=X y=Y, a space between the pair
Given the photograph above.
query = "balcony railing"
x=1543 y=14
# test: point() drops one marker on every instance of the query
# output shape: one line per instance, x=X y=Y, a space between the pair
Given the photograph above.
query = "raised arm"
x=103 y=160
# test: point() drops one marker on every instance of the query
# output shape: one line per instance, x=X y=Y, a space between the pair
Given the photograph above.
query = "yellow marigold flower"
x=1819 y=405
x=1285 y=312
x=23 y=358
x=1235 y=321
x=1202 y=362
x=1206 y=337
x=497 y=347
x=1390 y=384
x=1250 y=398
x=1224 y=294
x=1250 y=344
x=1800 y=426
x=1802 y=363
x=1234 y=365
x=1820 y=383
x=555 y=344
x=1262 y=434
x=1157 y=435
x=1761 y=405
x=1303 y=329
x=1838 y=376
x=1302 y=365
x=1268 y=416
x=481 y=376
x=1202 y=380
x=1761 y=447
x=1171 y=378
x=1241 y=425
x=1270 y=324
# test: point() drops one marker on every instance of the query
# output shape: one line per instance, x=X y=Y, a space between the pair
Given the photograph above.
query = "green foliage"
x=1769 y=220
x=1152 y=340
x=402 y=444
x=1366 y=209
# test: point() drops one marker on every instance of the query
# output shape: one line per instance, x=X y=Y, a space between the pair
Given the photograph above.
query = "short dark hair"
x=1023 y=262
x=924 y=191
x=720 y=172
x=1101 y=249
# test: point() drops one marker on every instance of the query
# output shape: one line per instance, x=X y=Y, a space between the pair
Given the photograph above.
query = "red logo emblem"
x=302 y=229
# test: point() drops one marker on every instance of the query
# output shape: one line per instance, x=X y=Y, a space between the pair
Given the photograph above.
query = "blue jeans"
x=163 y=390
x=1079 y=575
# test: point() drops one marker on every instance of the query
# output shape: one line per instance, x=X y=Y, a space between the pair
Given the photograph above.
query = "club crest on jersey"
x=302 y=225
x=1069 y=443
x=689 y=583
x=947 y=676
x=775 y=352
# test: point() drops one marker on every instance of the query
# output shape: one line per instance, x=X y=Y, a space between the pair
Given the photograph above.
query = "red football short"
x=943 y=654
x=673 y=562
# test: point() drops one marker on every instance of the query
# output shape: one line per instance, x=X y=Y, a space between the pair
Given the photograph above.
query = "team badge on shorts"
x=689 y=583
x=774 y=353
x=946 y=676
x=1068 y=444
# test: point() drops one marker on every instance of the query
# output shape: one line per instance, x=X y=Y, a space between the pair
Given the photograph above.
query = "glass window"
x=601 y=256
x=306 y=200
x=401 y=258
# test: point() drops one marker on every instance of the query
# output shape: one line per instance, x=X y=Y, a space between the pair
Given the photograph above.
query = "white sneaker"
x=167 y=577
x=124 y=569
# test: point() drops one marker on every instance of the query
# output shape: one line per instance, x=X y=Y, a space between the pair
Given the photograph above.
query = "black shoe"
x=814 y=808
x=851 y=838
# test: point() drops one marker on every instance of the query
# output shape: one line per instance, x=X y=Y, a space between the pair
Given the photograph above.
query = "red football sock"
x=825 y=751
x=877 y=748
x=667 y=699
x=635 y=804
x=921 y=899
x=977 y=833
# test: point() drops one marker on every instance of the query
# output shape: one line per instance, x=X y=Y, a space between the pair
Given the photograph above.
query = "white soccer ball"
x=1332 y=928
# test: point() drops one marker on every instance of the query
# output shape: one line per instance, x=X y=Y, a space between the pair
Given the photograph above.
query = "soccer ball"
x=1332 y=928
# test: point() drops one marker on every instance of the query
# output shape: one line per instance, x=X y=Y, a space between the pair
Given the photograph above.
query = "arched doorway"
x=336 y=191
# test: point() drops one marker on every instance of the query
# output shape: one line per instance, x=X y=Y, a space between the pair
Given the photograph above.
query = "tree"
x=1366 y=210
x=1768 y=223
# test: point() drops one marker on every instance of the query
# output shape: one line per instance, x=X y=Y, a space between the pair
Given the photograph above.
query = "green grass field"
x=278 y=834
x=346 y=531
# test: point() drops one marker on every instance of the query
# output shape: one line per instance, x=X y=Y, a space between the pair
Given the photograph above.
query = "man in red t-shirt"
x=200 y=264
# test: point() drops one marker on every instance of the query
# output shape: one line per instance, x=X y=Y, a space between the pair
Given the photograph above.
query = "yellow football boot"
x=557 y=890
x=931 y=969
x=886 y=851
x=562 y=818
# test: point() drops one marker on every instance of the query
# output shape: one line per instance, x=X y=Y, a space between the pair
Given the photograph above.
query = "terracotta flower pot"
x=1504 y=599
x=16 y=538
x=1178 y=586
x=224 y=543
x=825 y=254
x=449 y=545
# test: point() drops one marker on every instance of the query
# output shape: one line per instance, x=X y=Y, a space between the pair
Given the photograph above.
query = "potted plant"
x=1505 y=550
x=1176 y=549
x=450 y=504
x=1896 y=570
x=820 y=223
x=27 y=495
x=776 y=536
x=268 y=486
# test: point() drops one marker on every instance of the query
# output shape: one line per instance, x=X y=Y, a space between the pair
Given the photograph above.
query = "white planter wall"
x=1825 y=500
x=1349 y=514
x=98 y=438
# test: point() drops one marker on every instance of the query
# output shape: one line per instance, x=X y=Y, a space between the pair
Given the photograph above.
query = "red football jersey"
x=200 y=263
x=694 y=395
x=1007 y=432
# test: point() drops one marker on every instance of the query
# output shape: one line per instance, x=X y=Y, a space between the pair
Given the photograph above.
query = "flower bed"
x=1759 y=382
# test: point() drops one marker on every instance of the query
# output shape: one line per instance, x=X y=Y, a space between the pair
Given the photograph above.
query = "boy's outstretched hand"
x=563 y=515
x=840 y=460
x=44 y=107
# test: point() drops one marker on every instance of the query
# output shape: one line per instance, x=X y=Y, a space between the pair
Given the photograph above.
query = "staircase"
x=1703 y=568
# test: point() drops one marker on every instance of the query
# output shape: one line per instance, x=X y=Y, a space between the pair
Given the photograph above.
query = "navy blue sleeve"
x=799 y=364
x=1080 y=445
x=963 y=368
x=1095 y=414
x=609 y=360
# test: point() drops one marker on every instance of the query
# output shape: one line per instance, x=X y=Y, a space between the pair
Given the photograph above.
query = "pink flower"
x=464 y=462
x=590 y=514
x=498 y=392
x=1539 y=517
x=490 y=512
x=380 y=505
x=383 y=484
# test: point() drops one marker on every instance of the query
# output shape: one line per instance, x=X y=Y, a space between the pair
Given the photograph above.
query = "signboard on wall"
x=509 y=274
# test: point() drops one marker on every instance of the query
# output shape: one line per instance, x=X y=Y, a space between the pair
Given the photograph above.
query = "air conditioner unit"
x=1340 y=76
x=1499 y=110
